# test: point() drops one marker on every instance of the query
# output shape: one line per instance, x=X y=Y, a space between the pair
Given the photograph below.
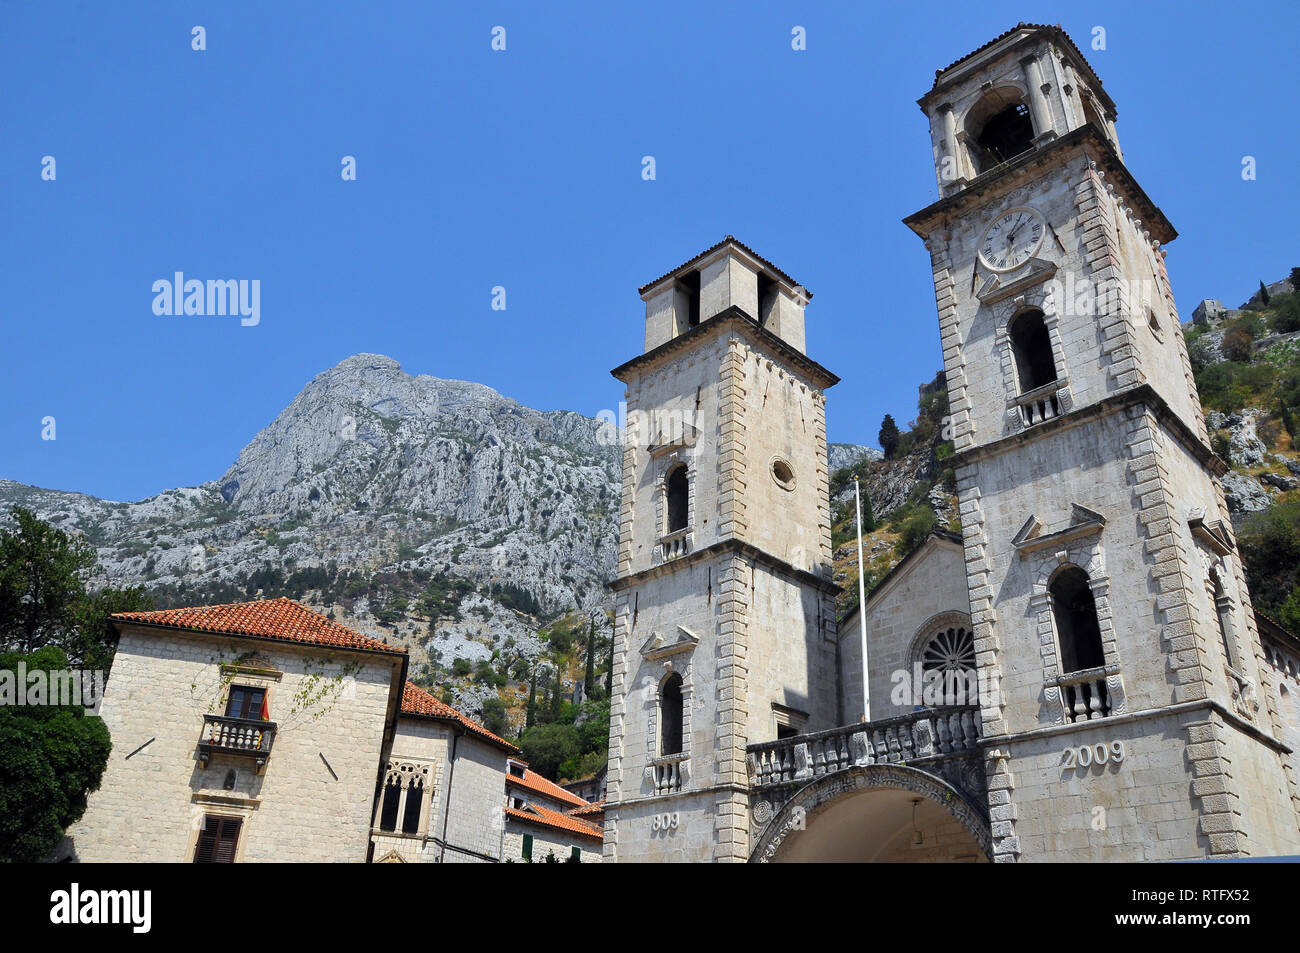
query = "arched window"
x=1077 y=627
x=670 y=715
x=677 y=489
x=998 y=128
x=1032 y=345
x=388 y=809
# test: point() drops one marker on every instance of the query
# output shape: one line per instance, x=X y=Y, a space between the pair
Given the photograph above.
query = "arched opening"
x=998 y=128
x=879 y=813
x=1077 y=628
x=670 y=715
x=677 y=488
x=388 y=808
x=1032 y=345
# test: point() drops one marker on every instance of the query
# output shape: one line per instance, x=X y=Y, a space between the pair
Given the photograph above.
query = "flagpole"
x=862 y=607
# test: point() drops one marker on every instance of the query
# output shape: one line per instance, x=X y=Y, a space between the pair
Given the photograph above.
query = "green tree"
x=494 y=717
x=546 y=747
x=43 y=594
x=51 y=758
x=589 y=679
x=889 y=437
x=531 y=718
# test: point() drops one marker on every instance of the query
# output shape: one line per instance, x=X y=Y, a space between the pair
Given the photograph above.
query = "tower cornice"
x=1143 y=394
x=734 y=318
x=726 y=547
x=1086 y=139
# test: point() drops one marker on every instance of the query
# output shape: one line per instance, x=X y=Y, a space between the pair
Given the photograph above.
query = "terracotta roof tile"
x=597 y=807
x=538 y=784
x=416 y=701
x=280 y=619
x=535 y=814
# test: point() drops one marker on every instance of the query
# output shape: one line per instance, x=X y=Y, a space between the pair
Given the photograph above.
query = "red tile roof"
x=538 y=784
x=596 y=808
x=535 y=814
x=416 y=701
x=280 y=619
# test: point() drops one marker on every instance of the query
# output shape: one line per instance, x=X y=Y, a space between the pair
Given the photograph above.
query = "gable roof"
x=726 y=240
x=281 y=620
x=901 y=567
x=536 y=814
x=539 y=785
x=417 y=703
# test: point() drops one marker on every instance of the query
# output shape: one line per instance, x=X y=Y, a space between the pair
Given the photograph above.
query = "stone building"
x=1079 y=676
x=263 y=731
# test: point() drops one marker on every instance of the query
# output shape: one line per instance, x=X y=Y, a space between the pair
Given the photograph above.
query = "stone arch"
x=1043 y=299
x=1005 y=107
x=813 y=798
x=964 y=690
x=1086 y=555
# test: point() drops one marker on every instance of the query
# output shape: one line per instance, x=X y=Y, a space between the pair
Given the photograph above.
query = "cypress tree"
x=589 y=680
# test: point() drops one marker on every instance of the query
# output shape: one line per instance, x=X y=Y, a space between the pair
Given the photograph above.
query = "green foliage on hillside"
x=1266 y=377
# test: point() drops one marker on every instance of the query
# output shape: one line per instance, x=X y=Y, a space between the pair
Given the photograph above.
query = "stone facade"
x=1125 y=707
x=263 y=731
x=155 y=794
x=461 y=819
x=1107 y=469
x=713 y=601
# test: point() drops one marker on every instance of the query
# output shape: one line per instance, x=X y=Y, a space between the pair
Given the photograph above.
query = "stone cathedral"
x=1083 y=677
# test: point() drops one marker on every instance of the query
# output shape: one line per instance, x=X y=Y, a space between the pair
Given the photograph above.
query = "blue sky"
x=522 y=169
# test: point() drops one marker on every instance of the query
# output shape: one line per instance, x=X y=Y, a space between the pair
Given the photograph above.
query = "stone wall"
x=546 y=840
x=929 y=590
x=150 y=807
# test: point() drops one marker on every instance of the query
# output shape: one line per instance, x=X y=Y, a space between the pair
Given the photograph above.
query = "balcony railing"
x=1084 y=695
x=933 y=732
x=244 y=737
x=1040 y=404
x=669 y=773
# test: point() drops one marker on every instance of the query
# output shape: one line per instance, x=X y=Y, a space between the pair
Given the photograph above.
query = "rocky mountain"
x=436 y=513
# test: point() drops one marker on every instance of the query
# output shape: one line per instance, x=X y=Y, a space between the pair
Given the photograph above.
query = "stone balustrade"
x=930 y=733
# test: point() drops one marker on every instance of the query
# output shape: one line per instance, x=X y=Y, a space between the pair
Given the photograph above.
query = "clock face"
x=1012 y=239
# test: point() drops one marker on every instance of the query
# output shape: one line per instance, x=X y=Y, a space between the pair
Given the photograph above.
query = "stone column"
x=952 y=172
x=1037 y=100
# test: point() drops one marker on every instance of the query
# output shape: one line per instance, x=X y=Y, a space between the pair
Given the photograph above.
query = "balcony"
x=1040 y=404
x=240 y=737
x=932 y=734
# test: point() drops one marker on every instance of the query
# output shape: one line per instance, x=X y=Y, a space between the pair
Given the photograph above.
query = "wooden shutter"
x=218 y=840
x=528 y=847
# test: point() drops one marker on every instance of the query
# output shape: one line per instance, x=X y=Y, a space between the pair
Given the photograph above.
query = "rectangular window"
x=245 y=702
x=528 y=847
x=575 y=855
x=217 y=840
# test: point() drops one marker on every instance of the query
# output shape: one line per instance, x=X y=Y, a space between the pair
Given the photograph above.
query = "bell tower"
x=1132 y=718
x=725 y=620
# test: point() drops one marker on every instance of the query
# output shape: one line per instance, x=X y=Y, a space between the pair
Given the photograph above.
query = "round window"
x=783 y=475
